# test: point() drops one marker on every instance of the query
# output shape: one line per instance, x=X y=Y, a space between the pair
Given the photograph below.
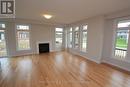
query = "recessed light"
x=47 y=16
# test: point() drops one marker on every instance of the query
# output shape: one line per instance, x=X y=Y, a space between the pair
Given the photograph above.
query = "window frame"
x=115 y=27
x=6 y=41
x=81 y=37
x=74 y=32
x=60 y=48
x=1 y=27
x=16 y=30
x=68 y=38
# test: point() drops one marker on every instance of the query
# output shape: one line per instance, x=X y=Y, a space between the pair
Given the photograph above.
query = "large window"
x=23 y=37
x=3 y=51
x=58 y=38
x=84 y=38
x=122 y=37
x=70 y=38
x=76 y=38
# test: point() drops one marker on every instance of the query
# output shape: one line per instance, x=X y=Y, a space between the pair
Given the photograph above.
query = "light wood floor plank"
x=59 y=69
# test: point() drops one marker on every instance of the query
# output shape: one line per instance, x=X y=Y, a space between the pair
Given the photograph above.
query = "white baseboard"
x=84 y=56
x=113 y=64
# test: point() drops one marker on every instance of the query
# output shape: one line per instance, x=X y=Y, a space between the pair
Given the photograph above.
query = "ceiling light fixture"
x=47 y=16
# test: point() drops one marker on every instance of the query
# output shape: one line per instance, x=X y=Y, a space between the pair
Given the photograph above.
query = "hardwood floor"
x=59 y=69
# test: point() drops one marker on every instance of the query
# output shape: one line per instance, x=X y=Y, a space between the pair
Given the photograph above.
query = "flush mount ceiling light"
x=47 y=16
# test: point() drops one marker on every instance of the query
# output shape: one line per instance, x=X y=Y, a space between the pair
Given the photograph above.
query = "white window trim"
x=115 y=28
x=17 y=49
x=55 y=37
x=6 y=41
x=81 y=37
x=68 y=37
x=3 y=28
x=78 y=38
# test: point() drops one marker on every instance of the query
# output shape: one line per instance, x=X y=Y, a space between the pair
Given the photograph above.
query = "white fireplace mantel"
x=39 y=42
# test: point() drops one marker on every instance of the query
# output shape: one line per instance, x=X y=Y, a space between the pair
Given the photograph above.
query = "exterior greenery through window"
x=122 y=38
x=23 y=37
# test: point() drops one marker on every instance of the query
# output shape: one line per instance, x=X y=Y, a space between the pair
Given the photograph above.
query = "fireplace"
x=43 y=47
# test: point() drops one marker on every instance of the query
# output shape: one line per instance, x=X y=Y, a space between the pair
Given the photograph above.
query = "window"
x=23 y=37
x=58 y=37
x=76 y=37
x=2 y=25
x=3 y=51
x=70 y=38
x=84 y=38
x=122 y=37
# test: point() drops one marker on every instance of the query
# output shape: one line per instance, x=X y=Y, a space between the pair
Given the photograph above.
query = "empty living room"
x=64 y=43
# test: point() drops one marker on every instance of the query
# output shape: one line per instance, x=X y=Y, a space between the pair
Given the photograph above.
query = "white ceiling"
x=67 y=11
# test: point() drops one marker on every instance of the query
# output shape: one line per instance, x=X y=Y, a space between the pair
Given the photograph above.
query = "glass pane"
x=71 y=29
x=76 y=36
x=23 y=40
x=2 y=25
x=59 y=29
x=85 y=27
x=125 y=23
x=84 y=41
x=70 y=40
x=121 y=45
x=58 y=40
x=77 y=29
x=22 y=27
x=2 y=44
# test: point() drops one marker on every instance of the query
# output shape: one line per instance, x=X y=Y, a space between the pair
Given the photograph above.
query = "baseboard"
x=22 y=55
x=84 y=56
x=116 y=67
x=91 y=59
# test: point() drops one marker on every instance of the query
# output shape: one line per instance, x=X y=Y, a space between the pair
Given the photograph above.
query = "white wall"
x=38 y=32
x=108 y=47
x=109 y=40
x=101 y=39
x=95 y=38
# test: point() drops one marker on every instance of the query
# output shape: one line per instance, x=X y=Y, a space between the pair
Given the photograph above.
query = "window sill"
x=24 y=50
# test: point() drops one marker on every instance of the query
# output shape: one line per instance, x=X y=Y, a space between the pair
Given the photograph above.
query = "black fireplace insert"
x=44 y=47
